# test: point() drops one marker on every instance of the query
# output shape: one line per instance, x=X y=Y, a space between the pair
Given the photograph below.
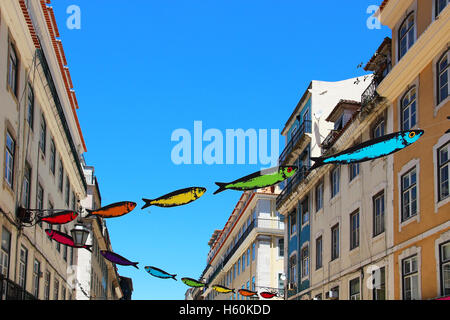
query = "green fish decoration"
x=193 y=283
x=260 y=179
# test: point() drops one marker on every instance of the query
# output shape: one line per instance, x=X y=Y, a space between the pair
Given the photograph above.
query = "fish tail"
x=222 y=187
x=148 y=203
x=232 y=290
x=135 y=265
x=318 y=162
x=89 y=213
x=88 y=248
x=174 y=277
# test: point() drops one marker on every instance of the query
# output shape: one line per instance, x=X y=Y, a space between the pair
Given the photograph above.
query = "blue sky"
x=142 y=69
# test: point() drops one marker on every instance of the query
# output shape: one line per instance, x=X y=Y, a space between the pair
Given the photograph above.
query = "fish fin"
x=148 y=203
x=318 y=162
x=222 y=187
x=174 y=277
x=135 y=265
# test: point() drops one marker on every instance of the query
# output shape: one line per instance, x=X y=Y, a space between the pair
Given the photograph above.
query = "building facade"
x=417 y=88
x=97 y=278
x=41 y=145
x=320 y=206
x=248 y=252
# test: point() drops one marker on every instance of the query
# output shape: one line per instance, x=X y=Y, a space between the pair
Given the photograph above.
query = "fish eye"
x=412 y=135
x=289 y=170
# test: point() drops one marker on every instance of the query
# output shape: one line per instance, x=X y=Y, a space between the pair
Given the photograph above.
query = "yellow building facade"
x=417 y=88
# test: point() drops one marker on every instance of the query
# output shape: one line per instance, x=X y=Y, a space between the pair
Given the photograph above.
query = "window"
x=335 y=181
x=50 y=207
x=378 y=214
x=58 y=245
x=409 y=195
x=319 y=196
x=280 y=281
x=9 y=159
x=234 y=271
x=253 y=284
x=47 y=285
x=56 y=290
x=74 y=202
x=379 y=130
x=379 y=286
x=30 y=106
x=442 y=80
x=52 y=157
x=334 y=292
x=67 y=191
x=440 y=6
x=354 y=170
x=4 y=252
x=355 y=289
x=243 y=262
x=65 y=252
x=26 y=187
x=13 y=69
x=304 y=207
x=410 y=279
x=335 y=242
x=406 y=35
x=318 y=296
x=444 y=171
x=354 y=230
x=239 y=267
x=293 y=218
x=318 y=253
x=61 y=176
x=43 y=135
x=293 y=269
x=409 y=110
x=63 y=293
x=305 y=262
x=281 y=247
x=253 y=251
x=23 y=267
x=445 y=269
x=36 y=276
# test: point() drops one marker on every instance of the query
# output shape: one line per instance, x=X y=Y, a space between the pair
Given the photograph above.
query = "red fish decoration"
x=247 y=293
x=60 y=218
x=64 y=239
x=268 y=295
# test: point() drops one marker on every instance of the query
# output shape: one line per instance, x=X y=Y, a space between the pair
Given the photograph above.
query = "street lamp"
x=80 y=233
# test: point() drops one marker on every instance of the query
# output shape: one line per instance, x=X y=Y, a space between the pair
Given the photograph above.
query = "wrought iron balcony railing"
x=12 y=291
x=292 y=183
x=305 y=127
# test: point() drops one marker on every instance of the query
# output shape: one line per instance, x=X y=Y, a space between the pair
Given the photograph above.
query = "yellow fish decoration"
x=221 y=289
x=176 y=198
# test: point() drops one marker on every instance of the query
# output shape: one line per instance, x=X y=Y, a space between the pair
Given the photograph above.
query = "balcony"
x=12 y=291
x=292 y=184
x=273 y=224
x=305 y=127
x=370 y=95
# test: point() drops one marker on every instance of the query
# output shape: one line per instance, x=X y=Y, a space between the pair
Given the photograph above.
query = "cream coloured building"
x=41 y=144
x=248 y=252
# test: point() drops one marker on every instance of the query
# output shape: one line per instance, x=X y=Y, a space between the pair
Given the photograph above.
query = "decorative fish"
x=60 y=218
x=268 y=295
x=118 y=259
x=372 y=149
x=113 y=210
x=176 y=198
x=193 y=283
x=222 y=289
x=156 y=272
x=260 y=179
x=247 y=293
x=64 y=239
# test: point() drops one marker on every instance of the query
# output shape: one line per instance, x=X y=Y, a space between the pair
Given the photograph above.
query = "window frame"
x=441 y=264
x=439 y=73
x=319 y=253
x=354 y=295
x=5 y=253
x=354 y=232
x=334 y=192
x=319 y=196
x=409 y=44
x=23 y=265
x=335 y=255
x=26 y=186
x=439 y=167
x=10 y=154
x=382 y=287
x=377 y=127
x=409 y=275
x=36 y=278
x=409 y=189
x=377 y=232
x=409 y=106
x=43 y=135
x=13 y=71
x=437 y=11
x=305 y=261
x=30 y=106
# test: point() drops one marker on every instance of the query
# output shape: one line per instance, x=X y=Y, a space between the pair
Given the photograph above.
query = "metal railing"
x=290 y=186
x=305 y=127
x=12 y=291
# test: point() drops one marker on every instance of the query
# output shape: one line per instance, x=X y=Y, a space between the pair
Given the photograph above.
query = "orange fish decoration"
x=247 y=293
x=113 y=210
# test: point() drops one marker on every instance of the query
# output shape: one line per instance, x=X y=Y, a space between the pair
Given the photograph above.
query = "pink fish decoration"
x=64 y=239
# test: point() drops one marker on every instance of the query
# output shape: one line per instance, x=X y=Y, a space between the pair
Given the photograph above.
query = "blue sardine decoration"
x=372 y=149
x=156 y=272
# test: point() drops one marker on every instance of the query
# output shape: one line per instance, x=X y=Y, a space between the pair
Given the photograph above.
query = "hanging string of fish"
x=369 y=150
